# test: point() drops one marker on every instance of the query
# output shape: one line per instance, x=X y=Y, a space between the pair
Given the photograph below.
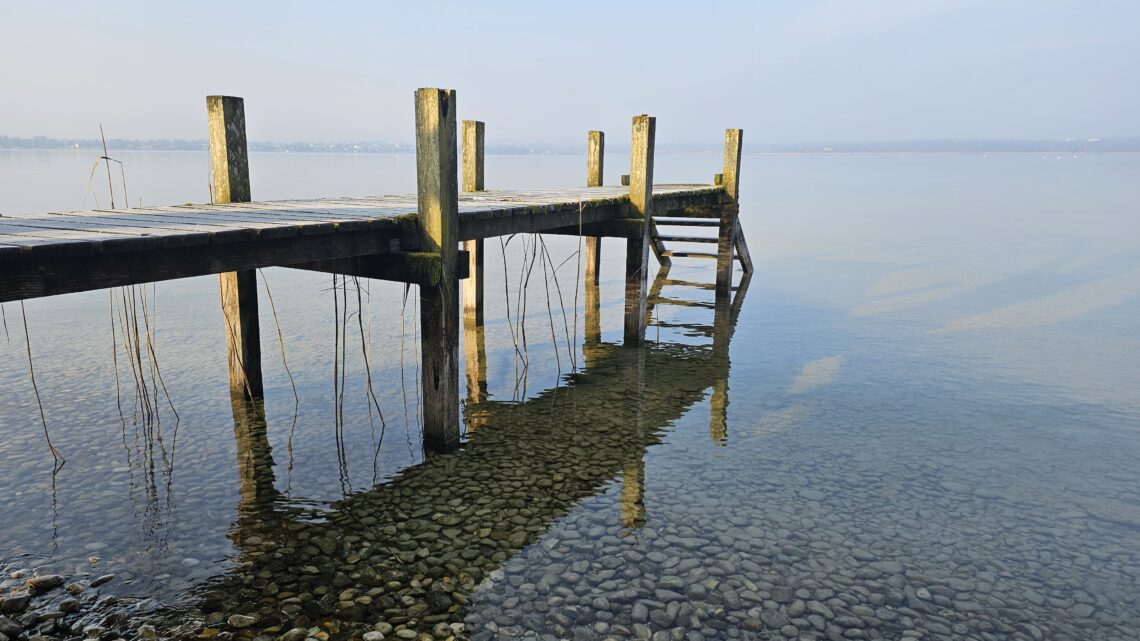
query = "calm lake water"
x=920 y=417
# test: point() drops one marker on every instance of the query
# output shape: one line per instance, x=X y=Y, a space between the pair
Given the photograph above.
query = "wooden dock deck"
x=59 y=253
x=413 y=238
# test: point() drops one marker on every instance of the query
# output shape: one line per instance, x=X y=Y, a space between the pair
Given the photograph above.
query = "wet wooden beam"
x=595 y=162
x=472 y=182
x=229 y=168
x=730 y=180
x=437 y=195
x=640 y=206
x=618 y=228
x=418 y=268
x=48 y=276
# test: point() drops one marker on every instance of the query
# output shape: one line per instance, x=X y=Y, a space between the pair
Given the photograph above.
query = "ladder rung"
x=692 y=213
x=677 y=254
x=686 y=239
x=681 y=222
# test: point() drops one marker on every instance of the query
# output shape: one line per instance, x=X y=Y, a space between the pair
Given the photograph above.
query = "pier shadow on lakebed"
x=408 y=553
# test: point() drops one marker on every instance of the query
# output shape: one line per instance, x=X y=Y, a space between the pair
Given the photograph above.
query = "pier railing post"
x=229 y=166
x=438 y=200
x=730 y=181
x=637 y=249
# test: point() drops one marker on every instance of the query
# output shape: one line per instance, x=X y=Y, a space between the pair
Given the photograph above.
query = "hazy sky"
x=544 y=72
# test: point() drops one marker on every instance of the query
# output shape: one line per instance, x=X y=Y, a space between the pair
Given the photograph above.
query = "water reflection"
x=408 y=553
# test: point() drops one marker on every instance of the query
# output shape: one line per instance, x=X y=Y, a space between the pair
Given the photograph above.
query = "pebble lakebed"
x=549 y=526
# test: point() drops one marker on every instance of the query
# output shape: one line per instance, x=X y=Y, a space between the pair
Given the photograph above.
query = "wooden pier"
x=411 y=238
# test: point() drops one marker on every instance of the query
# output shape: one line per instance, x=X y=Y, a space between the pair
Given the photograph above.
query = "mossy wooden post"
x=229 y=166
x=438 y=199
x=640 y=206
x=473 y=181
x=474 y=338
x=730 y=181
x=595 y=153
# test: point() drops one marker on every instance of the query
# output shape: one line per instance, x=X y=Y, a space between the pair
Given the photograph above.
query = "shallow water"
x=919 y=419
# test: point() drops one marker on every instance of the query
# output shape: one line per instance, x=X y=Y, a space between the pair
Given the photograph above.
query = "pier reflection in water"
x=410 y=552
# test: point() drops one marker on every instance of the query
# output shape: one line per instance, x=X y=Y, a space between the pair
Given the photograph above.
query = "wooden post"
x=438 y=199
x=595 y=151
x=229 y=166
x=473 y=181
x=637 y=249
x=730 y=180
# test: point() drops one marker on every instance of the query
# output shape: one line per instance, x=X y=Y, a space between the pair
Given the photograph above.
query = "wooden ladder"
x=664 y=254
x=707 y=219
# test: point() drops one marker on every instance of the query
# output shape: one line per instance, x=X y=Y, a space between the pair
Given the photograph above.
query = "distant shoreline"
x=1068 y=146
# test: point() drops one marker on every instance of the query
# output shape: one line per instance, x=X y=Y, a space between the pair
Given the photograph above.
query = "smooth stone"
x=10 y=627
x=241 y=621
x=15 y=604
x=39 y=584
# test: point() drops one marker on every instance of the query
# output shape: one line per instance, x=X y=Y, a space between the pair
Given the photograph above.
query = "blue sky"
x=541 y=72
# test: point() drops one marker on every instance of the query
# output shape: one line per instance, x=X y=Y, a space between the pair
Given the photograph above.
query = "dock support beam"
x=229 y=166
x=730 y=181
x=637 y=249
x=437 y=193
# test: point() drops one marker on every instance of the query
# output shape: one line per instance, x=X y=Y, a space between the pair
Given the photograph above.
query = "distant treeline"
x=1071 y=145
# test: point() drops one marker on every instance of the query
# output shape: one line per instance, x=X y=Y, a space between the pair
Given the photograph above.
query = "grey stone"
x=241 y=621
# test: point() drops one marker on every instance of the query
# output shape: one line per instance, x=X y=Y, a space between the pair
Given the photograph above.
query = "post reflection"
x=411 y=550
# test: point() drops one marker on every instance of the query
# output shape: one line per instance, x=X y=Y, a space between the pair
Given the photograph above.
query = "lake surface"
x=920 y=417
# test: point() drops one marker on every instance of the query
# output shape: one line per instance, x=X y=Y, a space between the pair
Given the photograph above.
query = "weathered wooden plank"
x=74 y=243
x=595 y=163
x=641 y=206
x=229 y=167
x=40 y=246
x=733 y=140
x=163 y=236
x=438 y=199
x=262 y=226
